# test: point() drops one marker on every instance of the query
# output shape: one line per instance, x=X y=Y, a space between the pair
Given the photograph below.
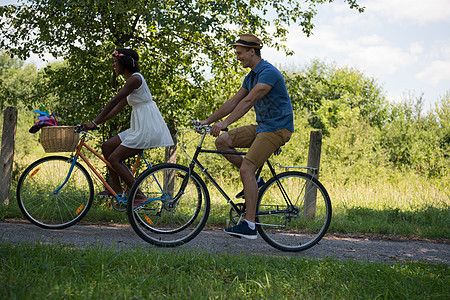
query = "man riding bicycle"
x=264 y=89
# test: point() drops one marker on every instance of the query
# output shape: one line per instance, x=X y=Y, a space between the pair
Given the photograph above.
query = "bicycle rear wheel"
x=294 y=211
x=176 y=209
x=46 y=201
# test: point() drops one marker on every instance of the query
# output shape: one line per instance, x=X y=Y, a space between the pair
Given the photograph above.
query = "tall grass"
x=406 y=205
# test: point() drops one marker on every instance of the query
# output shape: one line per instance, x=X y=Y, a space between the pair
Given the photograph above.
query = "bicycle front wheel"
x=294 y=211
x=49 y=198
x=176 y=209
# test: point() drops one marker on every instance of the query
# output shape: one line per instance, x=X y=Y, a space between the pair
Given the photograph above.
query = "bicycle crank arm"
x=272 y=225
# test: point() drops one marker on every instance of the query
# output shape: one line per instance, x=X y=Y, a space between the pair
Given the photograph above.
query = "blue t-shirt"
x=274 y=110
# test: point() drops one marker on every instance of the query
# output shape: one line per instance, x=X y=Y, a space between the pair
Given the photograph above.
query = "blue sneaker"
x=242 y=230
x=260 y=183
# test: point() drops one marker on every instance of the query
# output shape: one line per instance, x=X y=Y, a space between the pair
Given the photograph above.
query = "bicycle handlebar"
x=80 y=128
x=203 y=128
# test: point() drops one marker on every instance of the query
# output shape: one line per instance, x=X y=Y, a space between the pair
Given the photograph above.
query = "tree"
x=412 y=139
x=177 y=38
x=184 y=46
x=204 y=25
x=17 y=81
x=442 y=113
x=330 y=94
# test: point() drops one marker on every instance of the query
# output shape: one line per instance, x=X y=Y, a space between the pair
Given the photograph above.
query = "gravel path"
x=373 y=248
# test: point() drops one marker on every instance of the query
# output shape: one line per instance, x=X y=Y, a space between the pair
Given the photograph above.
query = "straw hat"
x=248 y=40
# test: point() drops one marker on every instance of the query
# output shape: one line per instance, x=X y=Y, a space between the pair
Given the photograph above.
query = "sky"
x=403 y=44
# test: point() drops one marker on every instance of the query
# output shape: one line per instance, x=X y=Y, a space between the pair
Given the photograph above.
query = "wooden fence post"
x=315 y=146
x=7 y=152
x=170 y=157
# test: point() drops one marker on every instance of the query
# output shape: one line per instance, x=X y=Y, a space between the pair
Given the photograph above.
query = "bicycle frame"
x=195 y=162
x=78 y=154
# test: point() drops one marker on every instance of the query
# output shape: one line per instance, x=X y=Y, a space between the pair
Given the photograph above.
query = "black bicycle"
x=293 y=210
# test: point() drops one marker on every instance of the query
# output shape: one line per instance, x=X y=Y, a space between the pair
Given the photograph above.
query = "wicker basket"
x=59 y=138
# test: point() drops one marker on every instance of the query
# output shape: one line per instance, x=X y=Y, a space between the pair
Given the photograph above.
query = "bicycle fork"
x=74 y=161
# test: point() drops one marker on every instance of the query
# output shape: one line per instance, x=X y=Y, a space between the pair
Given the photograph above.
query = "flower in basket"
x=45 y=119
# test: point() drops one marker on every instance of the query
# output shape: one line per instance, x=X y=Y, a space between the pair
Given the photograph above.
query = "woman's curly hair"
x=128 y=59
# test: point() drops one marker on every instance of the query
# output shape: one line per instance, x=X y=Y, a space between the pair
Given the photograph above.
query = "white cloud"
x=416 y=48
x=418 y=11
x=438 y=71
x=404 y=44
x=440 y=50
x=379 y=59
x=446 y=51
x=369 y=53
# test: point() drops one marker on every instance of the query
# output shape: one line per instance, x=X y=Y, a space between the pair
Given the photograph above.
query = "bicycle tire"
x=160 y=221
x=39 y=200
x=296 y=226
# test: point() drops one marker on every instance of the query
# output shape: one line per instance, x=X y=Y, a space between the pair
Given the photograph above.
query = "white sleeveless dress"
x=147 y=126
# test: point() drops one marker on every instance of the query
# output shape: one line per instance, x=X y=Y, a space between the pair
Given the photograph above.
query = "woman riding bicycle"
x=147 y=127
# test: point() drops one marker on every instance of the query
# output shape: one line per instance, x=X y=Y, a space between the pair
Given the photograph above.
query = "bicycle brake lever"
x=199 y=128
x=79 y=128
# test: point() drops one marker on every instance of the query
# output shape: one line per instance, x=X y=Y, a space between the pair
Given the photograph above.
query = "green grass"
x=400 y=203
x=55 y=272
x=403 y=204
x=100 y=212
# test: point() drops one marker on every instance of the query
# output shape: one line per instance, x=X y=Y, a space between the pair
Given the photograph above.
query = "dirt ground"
x=373 y=248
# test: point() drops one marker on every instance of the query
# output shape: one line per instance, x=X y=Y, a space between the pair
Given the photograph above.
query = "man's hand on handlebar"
x=204 y=122
x=217 y=128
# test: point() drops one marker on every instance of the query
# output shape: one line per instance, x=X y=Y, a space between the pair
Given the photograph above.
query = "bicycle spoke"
x=294 y=211
x=43 y=207
x=177 y=209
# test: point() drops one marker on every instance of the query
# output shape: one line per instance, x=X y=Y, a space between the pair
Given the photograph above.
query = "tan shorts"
x=262 y=145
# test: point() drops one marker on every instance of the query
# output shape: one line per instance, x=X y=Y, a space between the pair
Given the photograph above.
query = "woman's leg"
x=116 y=159
x=108 y=148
